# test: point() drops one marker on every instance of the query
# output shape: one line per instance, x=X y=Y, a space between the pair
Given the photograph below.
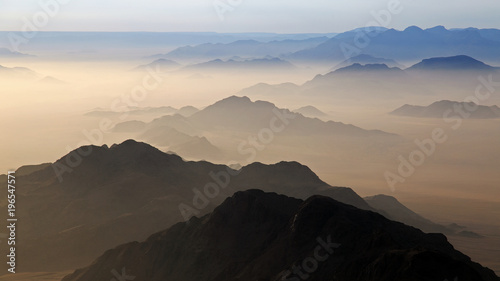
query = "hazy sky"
x=284 y=16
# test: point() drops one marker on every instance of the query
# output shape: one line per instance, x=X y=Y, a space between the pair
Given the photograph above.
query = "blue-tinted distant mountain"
x=162 y=64
x=369 y=68
x=136 y=44
x=367 y=59
x=488 y=33
x=242 y=48
x=246 y=65
x=437 y=109
x=411 y=44
x=6 y=53
x=454 y=63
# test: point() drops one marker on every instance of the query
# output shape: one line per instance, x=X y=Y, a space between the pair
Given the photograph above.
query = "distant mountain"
x=181 y=143
x=6 y=53
x=241 y=114
x=129 y=126
x=370 y=68
x=126 y=192
x=245 y=65
x=455 y=63
x=394 y=210
x=158 y=111
x=242 y=48
x=376 y=82
x=51 y=80
x=21 y=73
x=411 y=44
x=438 y=109
x=265 y=236
x=162 y=64
x=310 y=111
x=367 y=59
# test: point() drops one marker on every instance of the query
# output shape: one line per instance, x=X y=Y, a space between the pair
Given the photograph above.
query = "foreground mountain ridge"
x=265 y=236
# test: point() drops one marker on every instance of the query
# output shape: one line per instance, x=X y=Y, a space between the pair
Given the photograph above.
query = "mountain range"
x=242 y=48
x=376 y=81
x=265 y=236
x=96 y=198
x=438 y=110
x=417 y=44
x=264 y=64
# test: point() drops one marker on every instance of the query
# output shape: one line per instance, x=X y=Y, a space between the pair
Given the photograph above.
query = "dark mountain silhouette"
x=413 y=43
x=310 y=111
x=439 y=108
x=454 y=63
x=128 y=191
x=265 y=236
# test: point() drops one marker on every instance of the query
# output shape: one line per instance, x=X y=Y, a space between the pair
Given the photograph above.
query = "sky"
x=280 y=16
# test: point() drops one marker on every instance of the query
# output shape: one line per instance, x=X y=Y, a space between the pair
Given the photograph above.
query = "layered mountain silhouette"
x=375 y=81
x=445 y=107
x=242 y=48
x=96 y=198
x=357 y=81
x=411 y=44
x=128 y=191
x=241 y=114
x=265 y=236
x=235 y=114
x=241 y=65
